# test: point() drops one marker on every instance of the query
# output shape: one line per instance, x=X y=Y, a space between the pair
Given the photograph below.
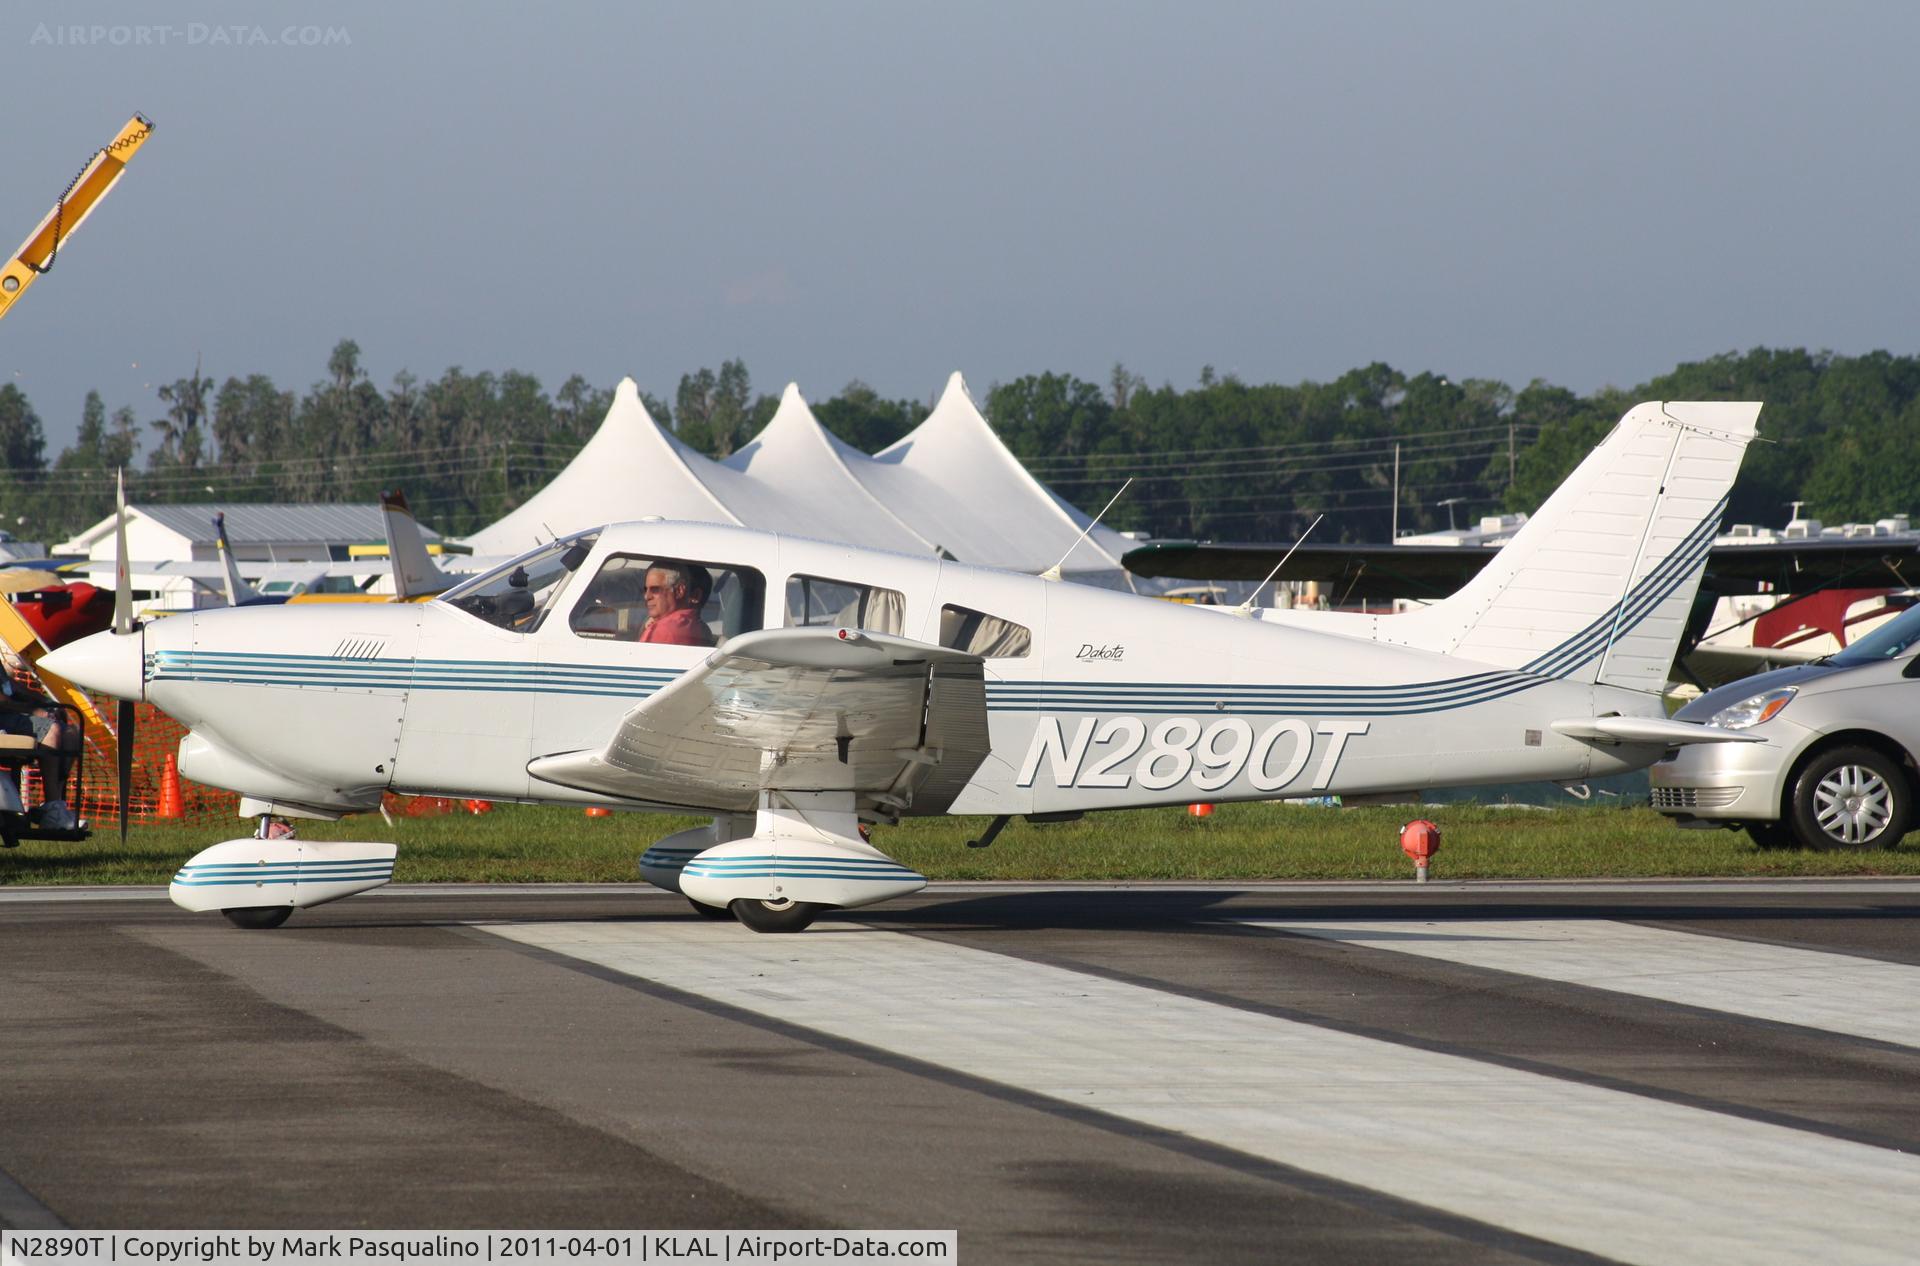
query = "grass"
x=522 y=844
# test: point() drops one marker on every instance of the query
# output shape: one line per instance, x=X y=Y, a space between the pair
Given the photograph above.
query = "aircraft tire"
x=1851 y=797
x=706 y=911
x=258 y=917
x=770 y=916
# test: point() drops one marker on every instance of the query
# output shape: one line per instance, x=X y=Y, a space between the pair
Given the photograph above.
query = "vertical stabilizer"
x=414 y=572
x=1597 y=586
x=238 y=590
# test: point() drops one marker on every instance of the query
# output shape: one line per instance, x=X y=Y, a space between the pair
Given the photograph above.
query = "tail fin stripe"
x=1643 y=598
x=1620 y=619
x=1646 y=598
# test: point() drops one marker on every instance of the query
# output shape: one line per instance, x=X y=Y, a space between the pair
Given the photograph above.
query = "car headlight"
x=1752 y=711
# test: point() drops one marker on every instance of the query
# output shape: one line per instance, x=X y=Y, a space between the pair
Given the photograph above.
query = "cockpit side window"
x=670 y=601
x=964 y=629
x=842 y=603
x=518 y=595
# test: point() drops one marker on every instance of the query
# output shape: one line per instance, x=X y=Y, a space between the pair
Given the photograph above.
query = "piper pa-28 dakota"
x=835 y=689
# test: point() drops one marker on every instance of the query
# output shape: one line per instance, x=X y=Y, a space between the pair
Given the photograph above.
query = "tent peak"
x=794 y=413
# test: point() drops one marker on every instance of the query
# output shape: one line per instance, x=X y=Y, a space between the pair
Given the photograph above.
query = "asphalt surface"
x=1335 y=1074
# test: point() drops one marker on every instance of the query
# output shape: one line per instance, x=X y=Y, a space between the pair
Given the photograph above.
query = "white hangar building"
x=298 y=547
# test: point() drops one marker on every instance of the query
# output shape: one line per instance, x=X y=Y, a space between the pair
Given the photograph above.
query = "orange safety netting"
x=156 y=739
x=93 y=787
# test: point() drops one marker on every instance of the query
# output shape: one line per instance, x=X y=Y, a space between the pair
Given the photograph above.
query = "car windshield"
x=518 y=595
x=1890 y=641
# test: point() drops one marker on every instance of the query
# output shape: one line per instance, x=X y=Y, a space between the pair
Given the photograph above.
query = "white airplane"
x=849 y=687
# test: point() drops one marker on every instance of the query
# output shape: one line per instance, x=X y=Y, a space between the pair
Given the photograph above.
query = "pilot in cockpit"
x=675 y=593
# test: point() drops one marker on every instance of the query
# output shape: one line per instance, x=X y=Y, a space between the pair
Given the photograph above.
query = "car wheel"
x=1771 y=835
x=1851 y=797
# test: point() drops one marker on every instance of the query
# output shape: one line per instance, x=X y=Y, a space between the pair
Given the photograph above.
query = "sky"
x=1588 y=194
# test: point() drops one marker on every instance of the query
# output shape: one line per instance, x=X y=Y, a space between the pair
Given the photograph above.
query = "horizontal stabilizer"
x=1648 y=730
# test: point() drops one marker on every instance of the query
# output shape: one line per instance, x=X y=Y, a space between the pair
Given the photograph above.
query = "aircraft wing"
x=210 y=569
x=1434 y=571
x=804 y=709
x=200 y=569
x=1349 y=571
x=1818 y=563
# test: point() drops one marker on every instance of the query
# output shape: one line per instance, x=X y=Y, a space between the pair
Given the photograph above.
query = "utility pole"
x=1396 y=492
x=1509 y=451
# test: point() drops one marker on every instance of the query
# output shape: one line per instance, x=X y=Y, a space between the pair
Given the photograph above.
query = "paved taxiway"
x=1650 y=1072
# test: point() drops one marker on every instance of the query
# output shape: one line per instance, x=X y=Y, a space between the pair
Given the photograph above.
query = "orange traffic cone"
x=596 y=811
x=171 y=805
x=1200 y=810
x=479 y=806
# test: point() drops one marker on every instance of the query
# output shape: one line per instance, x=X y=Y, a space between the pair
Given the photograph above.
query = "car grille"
x=1695 y=797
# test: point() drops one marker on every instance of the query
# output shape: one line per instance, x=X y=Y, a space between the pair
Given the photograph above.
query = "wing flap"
x=810 y=709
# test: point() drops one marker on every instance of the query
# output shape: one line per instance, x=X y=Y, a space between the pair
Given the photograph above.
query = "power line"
x=1453 y=452
x=1042 y=460
x=1314 y=507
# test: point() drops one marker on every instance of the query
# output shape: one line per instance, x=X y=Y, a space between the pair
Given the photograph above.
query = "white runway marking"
x=1835 y=992
x=1605 y=1171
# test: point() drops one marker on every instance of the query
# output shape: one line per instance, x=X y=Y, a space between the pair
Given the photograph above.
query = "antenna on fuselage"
x=1246 y=608
x=1053 y=572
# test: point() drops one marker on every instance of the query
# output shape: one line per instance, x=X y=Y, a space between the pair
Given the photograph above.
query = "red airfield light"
x=1420 y=840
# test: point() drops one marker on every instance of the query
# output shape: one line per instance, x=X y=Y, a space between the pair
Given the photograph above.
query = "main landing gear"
x=260 y=918
x=800 y=855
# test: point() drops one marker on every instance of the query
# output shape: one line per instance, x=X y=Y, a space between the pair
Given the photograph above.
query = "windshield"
x=1891 y=640
x=518 y=595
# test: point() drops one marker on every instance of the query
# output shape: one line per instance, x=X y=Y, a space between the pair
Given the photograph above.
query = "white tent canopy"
x=949 y=487
x=629 y=469
x=956 y=482
x=792 y=478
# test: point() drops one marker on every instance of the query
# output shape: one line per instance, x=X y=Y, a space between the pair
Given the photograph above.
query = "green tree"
x=863 y=419
x=714 y=412
x=23 y=441
x=182 y=439
x=252 y=421
x=87 y=450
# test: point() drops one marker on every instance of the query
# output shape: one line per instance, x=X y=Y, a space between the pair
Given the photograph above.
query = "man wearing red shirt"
x=674 y=594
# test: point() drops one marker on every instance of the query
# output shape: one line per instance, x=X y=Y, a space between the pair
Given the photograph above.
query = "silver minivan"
x=1837 y=768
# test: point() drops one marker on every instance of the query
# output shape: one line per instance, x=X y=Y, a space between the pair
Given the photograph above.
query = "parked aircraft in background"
x=831 y=688
x=1767 y=599
x=61 y=613
x=407 y=558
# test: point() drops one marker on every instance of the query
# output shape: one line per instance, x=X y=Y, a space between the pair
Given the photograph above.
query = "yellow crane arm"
x=37 y=253
x=20 y=638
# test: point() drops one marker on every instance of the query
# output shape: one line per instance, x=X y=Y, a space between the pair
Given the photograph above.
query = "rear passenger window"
x=977 y=633
x=699 y=604
x=842 y=604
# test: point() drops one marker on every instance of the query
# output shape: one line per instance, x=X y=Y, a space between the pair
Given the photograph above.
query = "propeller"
x=122 y=625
